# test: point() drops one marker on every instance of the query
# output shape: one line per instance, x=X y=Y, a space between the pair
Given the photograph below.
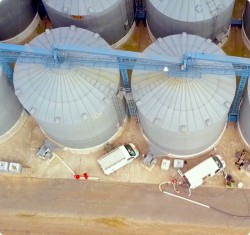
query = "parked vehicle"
x=10 y=167
x=118 y=158
x=208 y=168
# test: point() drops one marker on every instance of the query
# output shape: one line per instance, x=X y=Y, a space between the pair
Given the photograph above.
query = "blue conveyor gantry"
x=190 y=65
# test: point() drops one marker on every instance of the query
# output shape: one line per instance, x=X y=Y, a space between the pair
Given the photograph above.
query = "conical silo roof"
x=206 y=18
x=79 y=7
x=182 y=116
x=191 y=11
x=111 y=19
x=71 y=105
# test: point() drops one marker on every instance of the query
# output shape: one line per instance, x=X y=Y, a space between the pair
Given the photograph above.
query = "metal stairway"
x=215 y=10
x=234 y=110
x=131 y=104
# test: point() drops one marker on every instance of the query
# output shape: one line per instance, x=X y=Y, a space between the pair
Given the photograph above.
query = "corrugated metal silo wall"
x=16 y=16
x=163 y=142
x=9 y=105
x=247 y=19
x=110 y=24
x=89 y=133
x=244 y=123
x=161 y=25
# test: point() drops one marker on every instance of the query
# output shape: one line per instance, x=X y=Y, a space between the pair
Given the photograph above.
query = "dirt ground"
x=31 y=224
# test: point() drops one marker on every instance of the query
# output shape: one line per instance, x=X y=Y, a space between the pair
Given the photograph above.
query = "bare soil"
x=32 y=224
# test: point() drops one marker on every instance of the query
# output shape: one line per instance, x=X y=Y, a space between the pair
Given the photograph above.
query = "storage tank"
x=244 y=125
x=11 y=108
x=73 y=106
x=205 y=18
x=182 y=116
x=18 y=20
x=246 y=25
x=111 y=19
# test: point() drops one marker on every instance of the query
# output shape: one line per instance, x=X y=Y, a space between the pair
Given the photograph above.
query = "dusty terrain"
x=31 y=224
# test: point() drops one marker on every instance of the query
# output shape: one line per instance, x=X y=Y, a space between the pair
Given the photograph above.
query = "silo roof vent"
x=84 y=116
x=65 y=9
x=32 y=111
x=208 y=122
x=157 y=121
x=159 y=40
x=73 y=27
x=90 y=10
x=227 y=104
x=198 y=8
x=57 y=120
x=184 y=34
x=96 y=35
x=183 y=128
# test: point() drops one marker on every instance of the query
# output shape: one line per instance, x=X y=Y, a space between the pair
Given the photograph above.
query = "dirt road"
x=40 y=206
x=31 y=224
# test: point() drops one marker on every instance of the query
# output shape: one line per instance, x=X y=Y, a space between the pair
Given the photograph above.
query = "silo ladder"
x=119 y=106
x=234 y=110
x=131 y=105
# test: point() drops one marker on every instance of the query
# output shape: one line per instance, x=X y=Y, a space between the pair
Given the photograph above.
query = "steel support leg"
x=7 y=70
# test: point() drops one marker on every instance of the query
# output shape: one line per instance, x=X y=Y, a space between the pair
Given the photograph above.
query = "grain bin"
x=111 y=19
x=182 y=116
x=72 y=106
x=205 y=18
x=246 y=25
x=244 y=125
x=11 y=108
x=18 y=20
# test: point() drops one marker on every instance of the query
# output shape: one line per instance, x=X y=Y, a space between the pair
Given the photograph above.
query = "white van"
x=209 y=167
x=118 y=158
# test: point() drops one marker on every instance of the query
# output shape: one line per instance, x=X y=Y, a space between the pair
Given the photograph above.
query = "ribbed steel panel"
x=73 y=107
x=205 y=18
x=10 y=107
x=244 y=123
x=246 y=20
x=111 y=19
x=15 y=16
x=182 y=116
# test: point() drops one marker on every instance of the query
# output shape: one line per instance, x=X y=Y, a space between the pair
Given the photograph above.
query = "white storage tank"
x=246 y=25
x=244 y=125
x=11 y=108
x=111 y=19
x=182 y=116
x=18 y=20
x=205 y=18
x=72 y=106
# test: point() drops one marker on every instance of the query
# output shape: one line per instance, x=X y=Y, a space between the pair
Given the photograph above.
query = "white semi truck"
x=118 y=158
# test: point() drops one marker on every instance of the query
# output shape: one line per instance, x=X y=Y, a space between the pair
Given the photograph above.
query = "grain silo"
x=111 y=19
x=18 y=20
x=73 y=106
x=205 y=18
x=11 y=108
x=182 y=116
x=246 y=25
x=243 y=125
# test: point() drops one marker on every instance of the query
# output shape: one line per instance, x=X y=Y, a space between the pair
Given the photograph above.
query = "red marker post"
x=77 y=177
x=85 y=175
